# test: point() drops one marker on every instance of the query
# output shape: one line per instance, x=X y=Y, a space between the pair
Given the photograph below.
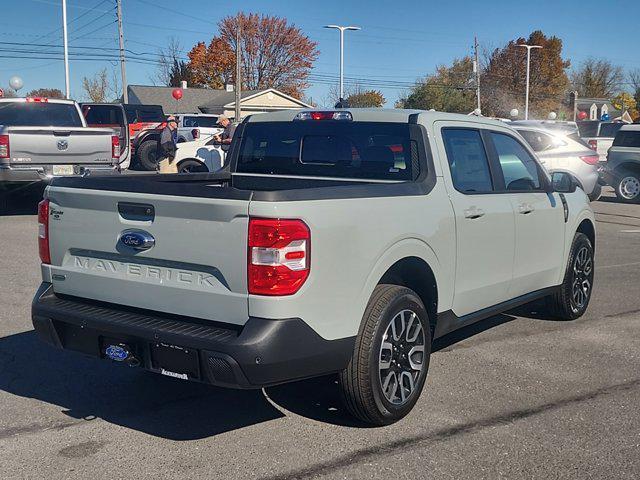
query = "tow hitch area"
x=121 y=352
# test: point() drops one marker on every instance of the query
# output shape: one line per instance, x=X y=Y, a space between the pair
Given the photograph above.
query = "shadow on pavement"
x=86 y=388
x=21 y=200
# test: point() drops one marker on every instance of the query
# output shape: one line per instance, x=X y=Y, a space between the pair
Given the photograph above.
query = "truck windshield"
x=610 y=129
x=204 y=122
x=39 y=114
x=382 y=151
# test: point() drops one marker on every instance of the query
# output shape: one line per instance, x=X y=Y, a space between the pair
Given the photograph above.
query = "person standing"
x=167 y=146
x=227 y=136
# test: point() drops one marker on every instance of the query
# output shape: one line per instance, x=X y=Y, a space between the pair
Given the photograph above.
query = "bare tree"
x=96 y=87
x=597 y=78
x=169 y=56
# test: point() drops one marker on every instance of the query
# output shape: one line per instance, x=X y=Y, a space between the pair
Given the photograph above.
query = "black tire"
x=628 y=186
x=361 y=383
x=192 y=166
x=567 y=303
x=147 y=155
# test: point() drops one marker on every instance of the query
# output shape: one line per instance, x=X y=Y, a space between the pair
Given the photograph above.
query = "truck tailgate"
x=196 y=266
x=51 y=145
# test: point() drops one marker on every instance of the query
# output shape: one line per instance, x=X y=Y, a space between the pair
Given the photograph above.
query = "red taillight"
x=37 y=99
x=4 y=146
x=278 y=257
x=115 y=147
x=195 y=133
x=43 y=231
x=590 y=159
x=593 y=145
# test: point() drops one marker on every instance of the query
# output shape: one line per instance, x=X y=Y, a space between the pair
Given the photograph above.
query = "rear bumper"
x=39 y=173
x=264 y=352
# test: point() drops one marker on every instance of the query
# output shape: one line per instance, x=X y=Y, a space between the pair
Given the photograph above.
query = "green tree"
x=46 y=92
x=597 y=78
x=450 y=89
x=366 y=98
x=504 y=78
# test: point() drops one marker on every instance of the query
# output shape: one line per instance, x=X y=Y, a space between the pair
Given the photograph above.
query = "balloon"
x=514 y=112
x=582 y=115
x=605 y=117
x=552 y=115
x=16 y=83
x=177 y=93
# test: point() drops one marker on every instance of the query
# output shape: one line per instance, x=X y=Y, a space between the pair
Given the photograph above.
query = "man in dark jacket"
x=167 y=146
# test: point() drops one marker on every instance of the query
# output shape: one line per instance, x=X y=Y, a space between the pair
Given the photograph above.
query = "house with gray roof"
x=595 y=108
x=207 y=100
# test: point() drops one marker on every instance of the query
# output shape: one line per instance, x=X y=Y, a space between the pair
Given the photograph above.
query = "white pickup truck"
x=333 y=242
x=42 y=138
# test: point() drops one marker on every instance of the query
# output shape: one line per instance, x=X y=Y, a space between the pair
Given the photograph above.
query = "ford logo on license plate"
x=117 y=353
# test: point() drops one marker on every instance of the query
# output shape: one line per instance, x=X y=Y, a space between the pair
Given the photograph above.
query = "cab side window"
x=519 y=169
x=467 y=160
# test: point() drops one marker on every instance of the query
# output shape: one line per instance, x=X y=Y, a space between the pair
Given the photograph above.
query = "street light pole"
x=342 y=30
x=66 y=49
x=526 y=102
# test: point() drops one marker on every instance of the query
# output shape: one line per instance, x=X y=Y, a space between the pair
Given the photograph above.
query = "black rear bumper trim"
x=263 y=352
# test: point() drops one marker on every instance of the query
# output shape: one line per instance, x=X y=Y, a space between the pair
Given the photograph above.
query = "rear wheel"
x=147 y=155
x=628 y=187
x=192 y=166
x=387 y=371
x=572 y=299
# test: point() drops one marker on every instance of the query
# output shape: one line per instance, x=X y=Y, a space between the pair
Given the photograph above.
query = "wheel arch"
x=416 y=274
x=587 y=227
x=414 y=264
x=182 y=160
x=627 y=166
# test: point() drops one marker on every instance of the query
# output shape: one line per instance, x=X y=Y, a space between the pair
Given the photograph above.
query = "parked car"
x=552 y=125
x=141 y=124
x=561 y=151
x=622 y=170
x=201 y=155
x=43 y=138
x=335 y=241
x=193 y=127
x=599 y=135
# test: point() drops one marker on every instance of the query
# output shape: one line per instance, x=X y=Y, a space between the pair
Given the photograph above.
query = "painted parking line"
x=629 y=231
x=602 y=267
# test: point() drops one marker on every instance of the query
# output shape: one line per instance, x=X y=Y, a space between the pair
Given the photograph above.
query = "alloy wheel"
x=401 y=357
x=582 y=279
x=629 y=187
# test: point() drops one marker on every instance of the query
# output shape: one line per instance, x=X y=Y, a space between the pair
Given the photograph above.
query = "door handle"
x=525 y=208
x=473 y=213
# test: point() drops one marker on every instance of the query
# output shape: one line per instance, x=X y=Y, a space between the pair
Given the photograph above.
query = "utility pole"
x=476 y=67
x=66 y=49
x=526 y=102
x=575 y=105
x=123 y=70
x=238 y=70
x=342 y=30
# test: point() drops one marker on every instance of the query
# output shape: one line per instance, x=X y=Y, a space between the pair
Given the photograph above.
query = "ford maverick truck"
x=332 y=242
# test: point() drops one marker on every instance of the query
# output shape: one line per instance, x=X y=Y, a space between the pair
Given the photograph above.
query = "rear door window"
x=372 y=150
x=467 y=160
x=627 y=138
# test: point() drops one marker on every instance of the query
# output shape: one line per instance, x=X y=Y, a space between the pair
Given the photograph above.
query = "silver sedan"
x=563 y=151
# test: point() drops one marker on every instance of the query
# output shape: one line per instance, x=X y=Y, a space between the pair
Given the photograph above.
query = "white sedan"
x=200 y=155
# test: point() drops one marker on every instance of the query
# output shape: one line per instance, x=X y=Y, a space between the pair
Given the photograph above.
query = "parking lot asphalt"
x=516 y=396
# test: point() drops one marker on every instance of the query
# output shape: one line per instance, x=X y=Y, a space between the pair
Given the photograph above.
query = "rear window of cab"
x=339 y=149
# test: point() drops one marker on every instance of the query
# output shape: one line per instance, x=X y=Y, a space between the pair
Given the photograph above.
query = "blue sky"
x=399 y=41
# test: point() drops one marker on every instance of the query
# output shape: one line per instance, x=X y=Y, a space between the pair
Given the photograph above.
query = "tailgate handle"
x=137 y=212
x=61 y=133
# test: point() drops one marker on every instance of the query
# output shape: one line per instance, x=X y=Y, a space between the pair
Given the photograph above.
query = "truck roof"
x=37 y=99
x=634 y=127
x=393 y=115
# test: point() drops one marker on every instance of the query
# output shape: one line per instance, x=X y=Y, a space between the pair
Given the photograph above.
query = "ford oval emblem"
x=137 y=239
x=117 y=353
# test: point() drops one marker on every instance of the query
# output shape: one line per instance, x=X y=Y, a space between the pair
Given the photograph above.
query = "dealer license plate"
x=61 y=170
